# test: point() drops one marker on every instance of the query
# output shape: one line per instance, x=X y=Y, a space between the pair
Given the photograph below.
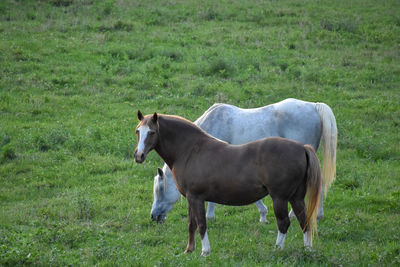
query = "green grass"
x=74 y=72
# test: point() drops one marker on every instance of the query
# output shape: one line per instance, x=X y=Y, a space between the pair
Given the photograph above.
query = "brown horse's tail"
x=313 y=196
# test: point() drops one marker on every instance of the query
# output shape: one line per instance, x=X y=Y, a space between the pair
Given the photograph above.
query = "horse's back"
x=218 y=121
x=236 y=125
x=284 y=165
x=298 y=120
x=278 y=150
x=291 y=118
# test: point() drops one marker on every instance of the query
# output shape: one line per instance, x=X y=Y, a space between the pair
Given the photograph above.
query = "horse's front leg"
x=192 y=226
x=198 y=210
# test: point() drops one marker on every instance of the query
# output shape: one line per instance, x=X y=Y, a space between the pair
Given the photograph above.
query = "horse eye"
x=151 y=132
x=137 y=131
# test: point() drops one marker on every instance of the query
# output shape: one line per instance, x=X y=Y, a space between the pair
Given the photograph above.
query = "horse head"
x=147 y=135
x=165 y=194
x=161 y=205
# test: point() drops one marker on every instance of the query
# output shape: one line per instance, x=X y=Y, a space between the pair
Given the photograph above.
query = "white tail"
x=329 y=139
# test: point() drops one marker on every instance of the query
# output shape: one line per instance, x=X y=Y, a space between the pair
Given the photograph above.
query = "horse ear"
x=139 y=115
x=160 y=172
x=155 y=117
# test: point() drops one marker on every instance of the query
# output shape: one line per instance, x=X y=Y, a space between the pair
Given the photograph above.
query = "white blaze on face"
x=143 y=131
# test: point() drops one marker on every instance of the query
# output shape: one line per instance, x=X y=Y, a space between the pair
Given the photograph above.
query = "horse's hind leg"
x=263 y=210
x=321 y=208
x=283 y=221
x=299 y=208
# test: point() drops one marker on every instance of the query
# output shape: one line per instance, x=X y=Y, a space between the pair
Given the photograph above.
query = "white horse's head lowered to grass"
x=165 y=194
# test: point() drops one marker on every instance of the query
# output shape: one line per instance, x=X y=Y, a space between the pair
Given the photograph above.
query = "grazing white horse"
x=302 y=121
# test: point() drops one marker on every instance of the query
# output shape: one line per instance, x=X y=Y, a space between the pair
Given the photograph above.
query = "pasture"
x=73 y=74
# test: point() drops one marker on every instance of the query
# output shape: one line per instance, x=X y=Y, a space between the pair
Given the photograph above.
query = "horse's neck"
x=176 y=139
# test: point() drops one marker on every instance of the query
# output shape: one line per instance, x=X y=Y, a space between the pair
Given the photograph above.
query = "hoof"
x=189 y=249
x=205 y=253
x=263 y=217
x=308 y=248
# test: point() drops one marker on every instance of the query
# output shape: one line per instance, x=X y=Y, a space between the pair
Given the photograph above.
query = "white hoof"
x=205 y=253
x=307 y=241
x=205 y=246
x=263 y=217
x=309 y=249
x=280 y=240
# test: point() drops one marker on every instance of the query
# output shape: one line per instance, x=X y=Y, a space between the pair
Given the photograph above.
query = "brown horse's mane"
x=176 y=117
x=187 y=123
x=181 y=121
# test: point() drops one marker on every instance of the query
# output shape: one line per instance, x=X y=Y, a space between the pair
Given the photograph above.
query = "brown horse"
x=207 y=169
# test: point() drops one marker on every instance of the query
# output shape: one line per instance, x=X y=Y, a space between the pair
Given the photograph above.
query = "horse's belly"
x=237 y=201
x=237 y=196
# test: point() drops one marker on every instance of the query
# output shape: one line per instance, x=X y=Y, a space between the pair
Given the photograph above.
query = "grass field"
x=73 y=74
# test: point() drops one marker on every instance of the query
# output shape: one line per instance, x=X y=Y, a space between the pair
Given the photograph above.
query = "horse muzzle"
x=158 y=218
x=139 y=156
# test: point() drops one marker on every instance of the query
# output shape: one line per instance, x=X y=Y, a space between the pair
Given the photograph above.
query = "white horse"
x=302 y=121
